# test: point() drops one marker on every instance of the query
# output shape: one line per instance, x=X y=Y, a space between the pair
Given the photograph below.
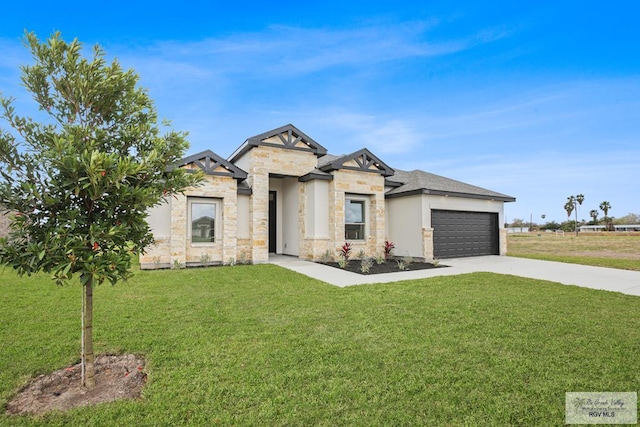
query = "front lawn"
x=261 y=345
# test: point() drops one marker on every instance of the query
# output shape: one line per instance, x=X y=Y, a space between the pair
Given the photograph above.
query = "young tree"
x=79 y=185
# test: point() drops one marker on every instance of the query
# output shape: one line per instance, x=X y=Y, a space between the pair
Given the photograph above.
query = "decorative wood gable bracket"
x=287 y=137
x=289 y=140
x=362 y=160
x=212 y=164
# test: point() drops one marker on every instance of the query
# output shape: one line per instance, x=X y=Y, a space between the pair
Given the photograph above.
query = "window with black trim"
x=355 y=219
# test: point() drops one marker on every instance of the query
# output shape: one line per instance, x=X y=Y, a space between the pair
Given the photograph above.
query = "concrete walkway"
x=609 y=279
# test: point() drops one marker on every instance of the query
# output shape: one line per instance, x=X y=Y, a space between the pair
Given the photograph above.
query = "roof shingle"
x=421 y=182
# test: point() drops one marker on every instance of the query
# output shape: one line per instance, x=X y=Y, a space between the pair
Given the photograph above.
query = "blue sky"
x=538 y=100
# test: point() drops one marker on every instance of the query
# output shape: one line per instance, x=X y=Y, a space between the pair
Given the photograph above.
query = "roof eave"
x=311 y=176
x=491 y=197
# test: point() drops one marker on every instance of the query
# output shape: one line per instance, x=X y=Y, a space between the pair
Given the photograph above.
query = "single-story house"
x=281 y=192
x=616 y=227
x=512 y=230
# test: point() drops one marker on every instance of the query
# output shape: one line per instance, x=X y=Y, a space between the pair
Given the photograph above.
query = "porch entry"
x=283 y=215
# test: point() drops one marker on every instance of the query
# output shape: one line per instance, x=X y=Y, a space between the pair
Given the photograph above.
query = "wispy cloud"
x=12 y=56
x=381 y=134
x=289 y=50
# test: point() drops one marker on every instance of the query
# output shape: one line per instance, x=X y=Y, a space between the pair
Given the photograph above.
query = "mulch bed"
x=116 y=377
x=390 y=266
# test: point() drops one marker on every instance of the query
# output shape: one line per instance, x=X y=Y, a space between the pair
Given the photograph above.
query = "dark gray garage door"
x=461 y=234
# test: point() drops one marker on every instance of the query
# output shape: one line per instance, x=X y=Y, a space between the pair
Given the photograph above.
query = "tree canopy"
x=79 y=185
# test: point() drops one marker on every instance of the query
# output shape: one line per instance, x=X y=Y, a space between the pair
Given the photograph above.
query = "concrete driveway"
x=609 y=279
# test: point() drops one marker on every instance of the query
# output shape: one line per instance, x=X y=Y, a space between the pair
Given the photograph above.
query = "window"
x=354 y=224
x=203 y=218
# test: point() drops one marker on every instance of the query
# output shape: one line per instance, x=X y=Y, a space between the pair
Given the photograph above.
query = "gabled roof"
x=287 y=137
x=421 y=182
x=212 y=164
x=362 y=160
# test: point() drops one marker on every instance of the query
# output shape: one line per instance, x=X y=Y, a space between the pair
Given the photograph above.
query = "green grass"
x=260 y=345
x=613 y=250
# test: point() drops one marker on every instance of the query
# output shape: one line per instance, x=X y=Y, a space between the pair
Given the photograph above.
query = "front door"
x=272 y=221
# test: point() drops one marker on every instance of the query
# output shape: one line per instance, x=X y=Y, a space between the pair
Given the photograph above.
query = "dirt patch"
x=116 y=377
x=391 y=266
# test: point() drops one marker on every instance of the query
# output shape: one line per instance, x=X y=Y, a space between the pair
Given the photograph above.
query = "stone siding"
x=174 y=250
x=503 y=240
x=348 y=182
x=265 y=160
x=427 y=243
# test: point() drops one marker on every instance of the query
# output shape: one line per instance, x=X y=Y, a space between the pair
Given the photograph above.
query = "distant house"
x=511 y=230
x=616 y=227
x=626 y=227
x=591 y=228
x=281 y=192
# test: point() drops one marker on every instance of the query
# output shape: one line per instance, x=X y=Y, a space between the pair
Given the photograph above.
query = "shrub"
x=243 y=258
x=326 y=256
x=388 y=249
x=365 y=264
x=408 y=259
x=345 y=251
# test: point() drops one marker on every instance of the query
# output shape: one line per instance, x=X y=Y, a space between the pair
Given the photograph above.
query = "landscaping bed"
x=390 y=266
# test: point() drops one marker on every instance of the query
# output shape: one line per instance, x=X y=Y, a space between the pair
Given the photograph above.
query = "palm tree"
x=572 y=205
x=605 y=207
x=594 y=214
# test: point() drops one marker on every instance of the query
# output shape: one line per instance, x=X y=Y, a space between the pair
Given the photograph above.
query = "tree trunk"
x=88 y=371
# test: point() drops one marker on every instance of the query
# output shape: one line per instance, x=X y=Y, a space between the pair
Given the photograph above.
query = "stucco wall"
x=243 y=216
x=409 y=220
x=159 y=219
x=405 y=223
x=317 y=210
x=290 y=216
